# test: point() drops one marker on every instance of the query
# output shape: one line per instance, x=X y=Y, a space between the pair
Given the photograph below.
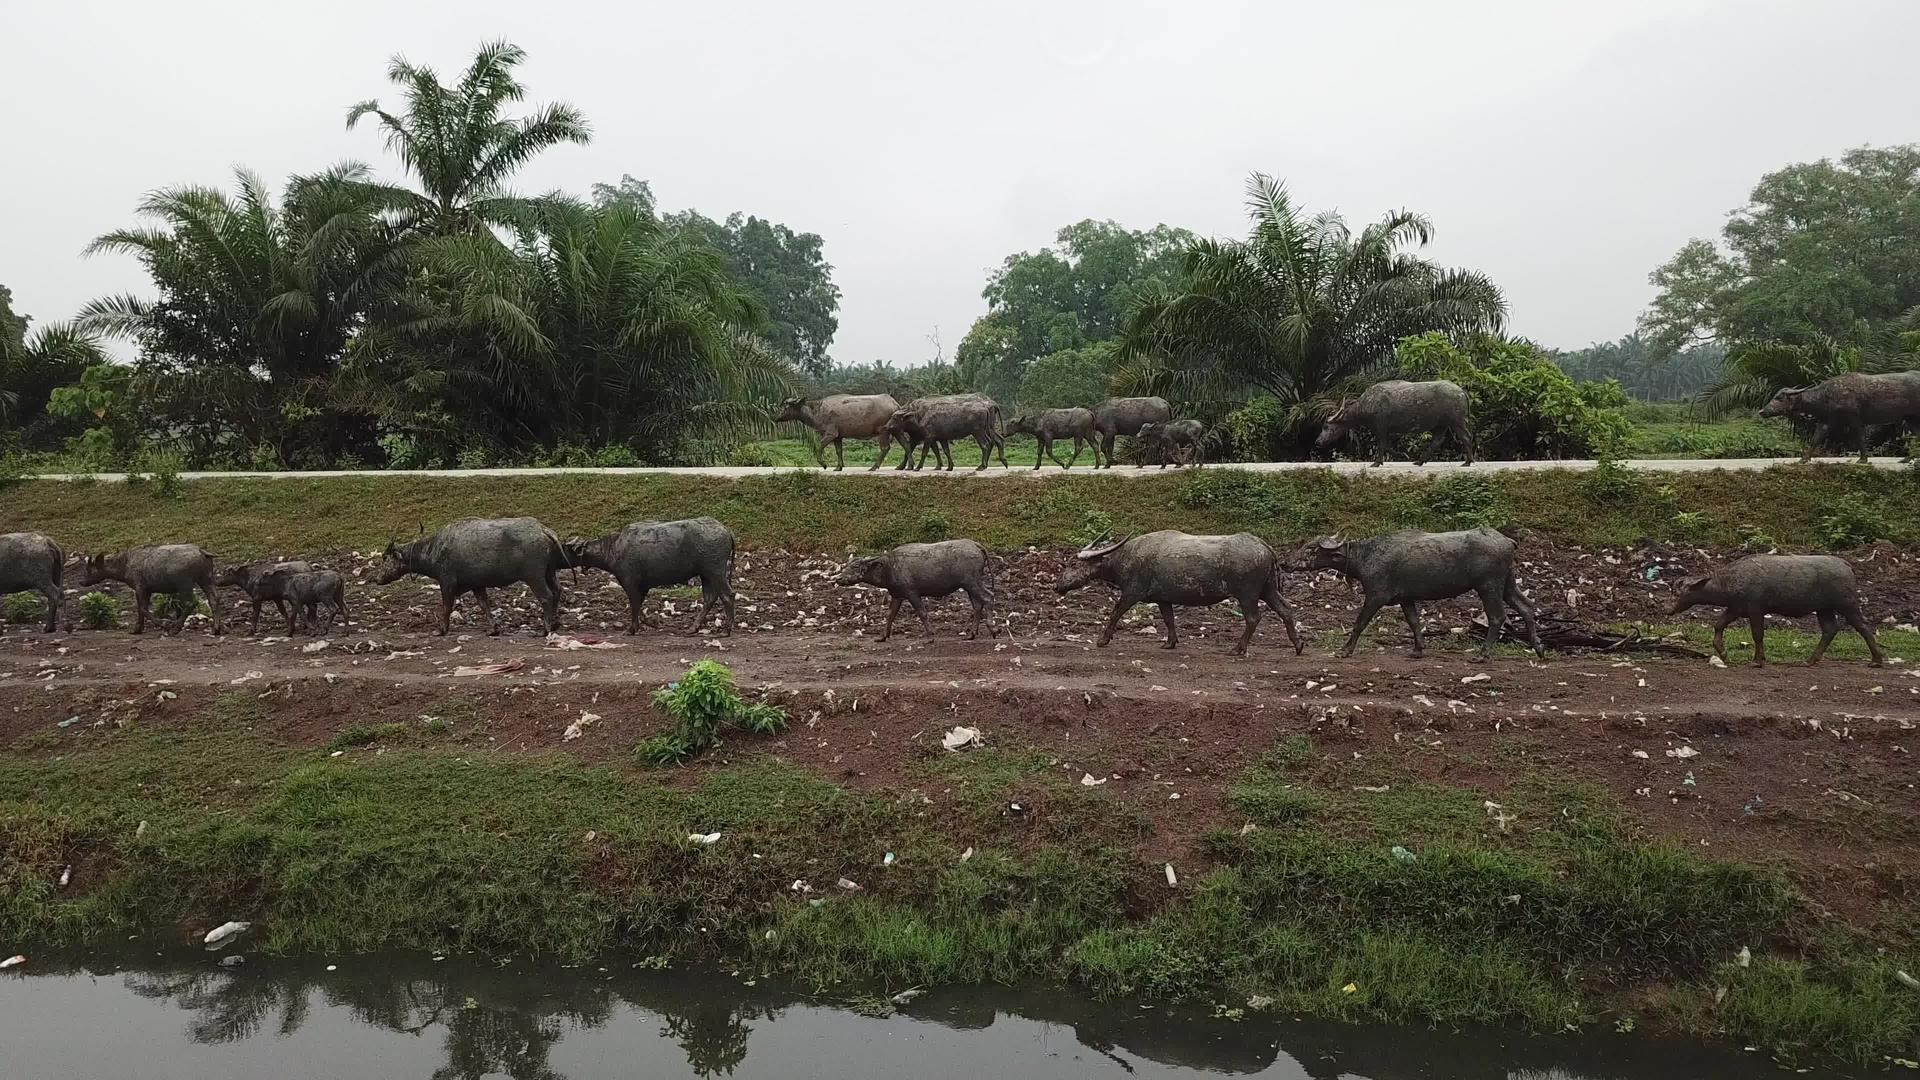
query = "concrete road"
x=1396 y=468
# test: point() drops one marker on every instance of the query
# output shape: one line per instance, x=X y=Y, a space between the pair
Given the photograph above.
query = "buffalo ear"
x=1691 y=584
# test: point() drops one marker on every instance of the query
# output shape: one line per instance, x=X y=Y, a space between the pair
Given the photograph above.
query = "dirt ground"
x=1807 y=768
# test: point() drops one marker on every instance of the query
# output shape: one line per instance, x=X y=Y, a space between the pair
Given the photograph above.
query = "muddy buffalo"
x=30 y=562
x=1048 y=425
x=933 y=423
x=1850 y=404
x=1391 y=410
x=1170 y=567
x=1163 y=441
x=477 y=554
x=261 y=583
x=842 y=416
x=649 y=555
x=309 y=591
x=1762 y=585
x=1125 y=416
x=912 y=572
x=1410 y=567
x=173 y=569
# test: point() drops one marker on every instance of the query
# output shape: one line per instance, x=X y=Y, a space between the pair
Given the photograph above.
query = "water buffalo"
x=649 y=555
x=933 y=423
x=912 y=572
x=1120 y=416
x=261 y=584
x=1170 y=567
x=1852 y=403
x=1762 y=585
x=30 y=562
x=842 y=416
x=174 y=569
x=1050 y=424
x=1394 y=408
x=476 y=554
x=1409 y=567
x=1163 y=441
x=306 y=590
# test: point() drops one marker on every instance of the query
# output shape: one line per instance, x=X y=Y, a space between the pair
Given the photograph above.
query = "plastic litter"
x=1350 y=988
x=1906 y=980
x=849 y=884
x=504 y=668
x=1683 y=752
x=569 y=644
x=1403 y=854
x=66 y=875
x=906 y=996
x=12 y=961
x=967 y=854
x=1482 y=677
x=223 y=932
x=579 y=727
x=141 y=831
x=888 y=861
x=1259 y=1001
x=232 y=961
x=1173 y=879
x=703 y=838
x=1714 y=661
x=960 y=738
x=315 y=646
x=1744 y=956
x=1087 y=780
x=1641 y=754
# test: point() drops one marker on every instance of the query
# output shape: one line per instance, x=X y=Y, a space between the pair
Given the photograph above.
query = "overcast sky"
x=1563 y=148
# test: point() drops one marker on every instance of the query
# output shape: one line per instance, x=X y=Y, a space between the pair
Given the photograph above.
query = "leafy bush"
x=13 y=469
x=616 y=457
x=1258 y=430
x=264 y=458
x=1855 y=519
x=167 y=606
x=1611 y=483
x=750 y=456
x=98 y=611
x=404 y=451
x=1752 y=539
x=1094 y=524
x=1524 y=405
x=701 y=703
x=24 y=607
x=164 y=468
x=935 y=525
x=476 y=457
x=1295 y=505
x=1457 y=502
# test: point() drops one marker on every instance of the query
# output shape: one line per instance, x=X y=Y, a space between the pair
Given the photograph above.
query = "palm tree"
x=1300 y=307
x=458 y=146
x=257 y=300
x=596 y=327
x=32 y=369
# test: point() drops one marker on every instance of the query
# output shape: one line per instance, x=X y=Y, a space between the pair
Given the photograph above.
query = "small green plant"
x=475 y=457
x=1611 y=483
x=164 y=468
x=24 y=607
x=1457 y=502
x=935 y=525
x=264 y=458
x=701 y=703
x=13 y=469
x=616 y=457
x=169 y=606
x=750 y=456
x=1855 y=519
x=1094 y=524
x=98 y=611
x=1752 y=539
x=404 y=451
x=1690 y=523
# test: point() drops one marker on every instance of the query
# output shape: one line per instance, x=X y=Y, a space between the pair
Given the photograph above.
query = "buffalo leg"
x=980 y=611
x=547 y=591
x=52 y=593
x=1524 y=606
x=1121 y=605
x=1379 y=451
x=1199 y=454
x=486 y=610
x=140 y=597
x=985 y=443
x=1281 y=608
x=707 y=596
x=1829 y=628
x=1411 y=609
x=820 y=452
x=1727 y=618
x=1860 y=626
x=1368 y=609
x=1173 y=632
x=448 y=594
x=893 y=609
x=1250 y=610
x=1463 y=438
x=1813 y=442
x=1860 y=437
x=1105 y=448
x=1042 y=448
x=182 y=607
x=886 y=438
x=1757 y=625
x=636 y=605
x=839 y=454
x=340 y=605
x=213 y=604
x=1000 y=447
x=1077 y=441
x=1494 y=601
x=920 y=608
x=726 y=601
x=282 y=604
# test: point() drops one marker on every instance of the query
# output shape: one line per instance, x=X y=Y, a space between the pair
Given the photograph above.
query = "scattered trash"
x=232 y=961
x=888 y=861
x=800 y=886
x=505 y=668
x=1259 y=1001
x=223 y=932
x=961 y=738
x=579 y=727
x=703 y=838
x=1906 y=980
x=906 y=996
x=12 y=961
x=1641 y=754
x=333 y=967
x=1173 y=879
x=849 y=884
x=967 y=854
x=315 y=646
x=1683 y=752
x=1381 y=789
x=1744 y=957
x=1714 y=661
x=247 y=678
x=1350 y=988
x=1753 y=804
x=68 y=722
x=1248 y=829
x=66 y=875
x=1087 y=780
x=1501 y=819
x=1424 y=700
x=141 y=831
x=1689 y=780
x=1403 y=854
x=569 y=644
x=1482 y=677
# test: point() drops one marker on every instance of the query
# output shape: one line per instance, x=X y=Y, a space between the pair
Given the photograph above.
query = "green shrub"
x=1611 y=483
x=750 y=456
x=13 y=469
x=1524 y=405
x=163 y=467
x=98 y=611
x=264 y=458
x=476 y=457
x=616 y=457
x=701 y=703
x=935 y=525
x=1457 y=502
x=1855 y=519
x=1094 y=524
x=168 y=606
x=24 y=607
x=1257 y=430
x=404 y=451
x=1294 y=505
x=1753 y=539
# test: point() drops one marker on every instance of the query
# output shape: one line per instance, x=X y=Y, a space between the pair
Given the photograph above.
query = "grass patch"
x=811 y=511
x=1787 y=641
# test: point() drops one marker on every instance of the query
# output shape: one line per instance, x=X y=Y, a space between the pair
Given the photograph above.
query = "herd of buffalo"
x=1167 y=568
x=1847 y=405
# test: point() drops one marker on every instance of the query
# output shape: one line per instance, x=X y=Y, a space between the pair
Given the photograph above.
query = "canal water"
x=183 y=1016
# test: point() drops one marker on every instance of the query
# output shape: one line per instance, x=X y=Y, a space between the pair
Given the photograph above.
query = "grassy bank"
x=1833 y=505
x=1415 y=902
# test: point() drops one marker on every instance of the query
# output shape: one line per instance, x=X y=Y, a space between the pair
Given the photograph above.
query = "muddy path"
x=1806 y=768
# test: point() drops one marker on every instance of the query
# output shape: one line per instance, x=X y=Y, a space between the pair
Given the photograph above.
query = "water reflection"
x=550 y=1024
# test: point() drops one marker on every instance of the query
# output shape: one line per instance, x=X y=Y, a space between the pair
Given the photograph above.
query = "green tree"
x=1827 y=248
x=635 y=195
x=1065 y=297
x=1524 y=405
x=1298 y=309
x=595 y=327
x=257 y=303
x=459 y=148
x=1631 y=362
x=1068 y=378
x=786 y=271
